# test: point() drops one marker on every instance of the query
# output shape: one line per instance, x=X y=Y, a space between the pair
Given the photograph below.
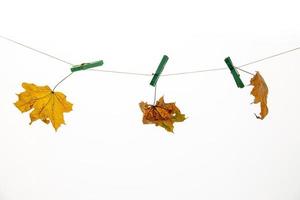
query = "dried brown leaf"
x=260 y=93
x=162 y=114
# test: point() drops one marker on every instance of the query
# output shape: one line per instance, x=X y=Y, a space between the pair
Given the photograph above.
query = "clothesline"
x=209 y=69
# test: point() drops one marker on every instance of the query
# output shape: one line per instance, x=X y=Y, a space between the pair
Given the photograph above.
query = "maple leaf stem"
x=154 y=95
x=244 y=71
x=62 y=80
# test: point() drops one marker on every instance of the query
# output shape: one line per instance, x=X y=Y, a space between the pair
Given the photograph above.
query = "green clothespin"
x=234 y=73
x=159 y=70
x=85 y=66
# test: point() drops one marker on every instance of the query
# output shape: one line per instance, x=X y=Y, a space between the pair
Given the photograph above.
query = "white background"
x=104 y=151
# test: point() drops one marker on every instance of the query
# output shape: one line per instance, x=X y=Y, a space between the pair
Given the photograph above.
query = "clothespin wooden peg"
x=85 y=66
x=159 y=70
x=234 y=73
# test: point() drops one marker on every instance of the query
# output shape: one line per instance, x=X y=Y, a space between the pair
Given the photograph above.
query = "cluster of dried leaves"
x=162 y=114
x=47 y=105
x=260 y=92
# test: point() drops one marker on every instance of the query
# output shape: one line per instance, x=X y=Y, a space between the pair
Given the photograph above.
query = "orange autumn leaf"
x=162 y=114
x=260 y=92
x=47 y=105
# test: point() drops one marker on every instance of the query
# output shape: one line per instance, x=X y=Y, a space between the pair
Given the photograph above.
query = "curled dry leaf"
x=162 y=114
x=260 y=92
x=47 y=105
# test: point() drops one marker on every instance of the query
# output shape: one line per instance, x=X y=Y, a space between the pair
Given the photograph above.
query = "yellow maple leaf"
x=162 y=114
x=260 y=93
x=47 y=105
